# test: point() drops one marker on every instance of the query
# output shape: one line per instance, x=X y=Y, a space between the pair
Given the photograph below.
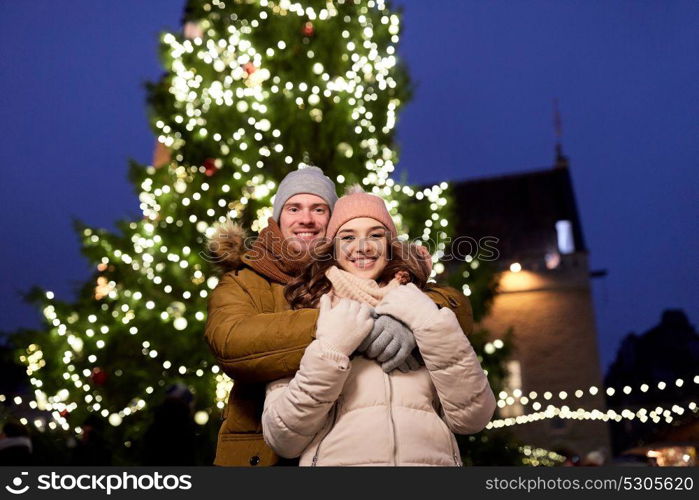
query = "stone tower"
x=544 y=295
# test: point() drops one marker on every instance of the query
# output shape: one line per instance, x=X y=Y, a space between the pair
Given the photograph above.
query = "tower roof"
x=521 y=210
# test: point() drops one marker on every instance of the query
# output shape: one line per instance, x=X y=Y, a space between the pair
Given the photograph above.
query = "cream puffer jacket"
x=340 y=412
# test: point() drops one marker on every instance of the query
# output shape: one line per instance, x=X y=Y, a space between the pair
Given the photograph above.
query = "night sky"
x=625 y=73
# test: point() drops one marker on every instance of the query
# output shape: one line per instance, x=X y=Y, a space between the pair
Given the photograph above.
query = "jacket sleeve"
x=464 y=392
x=251 y=345
x=468 y=402
x=451 y=298
x=296 y=409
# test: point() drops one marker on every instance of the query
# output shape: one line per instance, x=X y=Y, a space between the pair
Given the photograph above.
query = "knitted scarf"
x=347 y=285
x=274 y=257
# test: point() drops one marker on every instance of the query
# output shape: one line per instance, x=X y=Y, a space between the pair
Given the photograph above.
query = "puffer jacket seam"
x=429 y=411
x=290 y=428
x=366 y=407
x=360 y=463
x=320 y=401
x=460 y=361
x=448 y=462
x=466 y=404
x=442 y=367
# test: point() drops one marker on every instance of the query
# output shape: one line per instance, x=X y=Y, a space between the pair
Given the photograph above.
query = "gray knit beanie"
x=309 y=180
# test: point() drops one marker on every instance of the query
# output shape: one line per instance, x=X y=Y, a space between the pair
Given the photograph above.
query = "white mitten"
x=343 y=327
x=408 y=304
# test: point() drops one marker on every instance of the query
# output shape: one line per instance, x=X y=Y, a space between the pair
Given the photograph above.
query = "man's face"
x=304 y=218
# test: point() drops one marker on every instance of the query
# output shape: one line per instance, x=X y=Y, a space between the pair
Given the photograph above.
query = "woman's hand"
x=343 y=327
x=408 y=304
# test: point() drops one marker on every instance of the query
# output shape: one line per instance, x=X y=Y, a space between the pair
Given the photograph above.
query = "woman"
x=339 y=411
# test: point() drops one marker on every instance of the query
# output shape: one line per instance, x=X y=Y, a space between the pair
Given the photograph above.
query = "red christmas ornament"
x=249 y=68
x=308 y=29
x=210 y=166
x=63 y=413
x=99 y=376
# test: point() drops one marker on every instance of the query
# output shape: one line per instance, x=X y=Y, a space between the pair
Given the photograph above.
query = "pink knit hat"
x=355 y=204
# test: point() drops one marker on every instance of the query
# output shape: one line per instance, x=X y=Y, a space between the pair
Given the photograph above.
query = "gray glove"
x=390 y=342
x=411 y=363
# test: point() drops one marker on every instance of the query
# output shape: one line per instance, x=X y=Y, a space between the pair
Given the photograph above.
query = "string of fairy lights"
x=518 y=397
x=564 y=412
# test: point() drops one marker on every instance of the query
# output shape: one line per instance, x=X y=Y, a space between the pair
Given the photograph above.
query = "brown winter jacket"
x=256 y=339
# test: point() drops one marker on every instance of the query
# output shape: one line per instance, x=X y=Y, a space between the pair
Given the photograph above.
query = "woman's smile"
x=364 y=262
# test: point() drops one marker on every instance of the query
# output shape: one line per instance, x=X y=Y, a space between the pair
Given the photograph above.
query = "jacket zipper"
x=453 y=453
x=314 y=462
x=391 y=423
x=450 y=437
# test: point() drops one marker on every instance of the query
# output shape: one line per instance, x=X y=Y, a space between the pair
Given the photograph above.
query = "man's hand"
x=410 y=364
x=390 y=342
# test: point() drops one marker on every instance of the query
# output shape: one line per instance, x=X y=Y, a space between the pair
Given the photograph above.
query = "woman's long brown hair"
x=305 y=290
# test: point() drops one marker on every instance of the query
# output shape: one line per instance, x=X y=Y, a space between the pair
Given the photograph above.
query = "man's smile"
x=306 y=234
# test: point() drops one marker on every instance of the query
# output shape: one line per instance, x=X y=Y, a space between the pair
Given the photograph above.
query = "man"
x=252 y=332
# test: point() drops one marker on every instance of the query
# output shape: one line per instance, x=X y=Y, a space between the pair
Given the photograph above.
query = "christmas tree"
x=252 y=90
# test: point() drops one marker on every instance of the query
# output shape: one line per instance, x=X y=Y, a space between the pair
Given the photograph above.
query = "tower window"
x=564 y=231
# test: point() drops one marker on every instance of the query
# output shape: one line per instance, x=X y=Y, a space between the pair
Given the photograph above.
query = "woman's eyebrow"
x=377 y=227
x=347 y=231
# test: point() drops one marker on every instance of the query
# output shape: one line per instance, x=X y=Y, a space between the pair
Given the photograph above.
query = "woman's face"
x=361 y=247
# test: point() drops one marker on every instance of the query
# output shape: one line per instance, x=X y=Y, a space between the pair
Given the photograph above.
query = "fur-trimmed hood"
x=226 y=246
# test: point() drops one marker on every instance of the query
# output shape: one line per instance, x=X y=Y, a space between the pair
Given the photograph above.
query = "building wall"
x=555 y=342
